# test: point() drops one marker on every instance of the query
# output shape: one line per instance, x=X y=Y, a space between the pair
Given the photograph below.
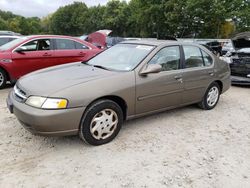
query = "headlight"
x=46 y=103
x=55 y=104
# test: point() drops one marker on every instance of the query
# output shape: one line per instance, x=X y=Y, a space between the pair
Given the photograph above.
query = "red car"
x=31 y=53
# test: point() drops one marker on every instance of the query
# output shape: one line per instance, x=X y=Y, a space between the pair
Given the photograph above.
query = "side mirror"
x=20 y=49
x=151 y=68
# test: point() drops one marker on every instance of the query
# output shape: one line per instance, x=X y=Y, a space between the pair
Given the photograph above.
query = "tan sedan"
x=129 y=80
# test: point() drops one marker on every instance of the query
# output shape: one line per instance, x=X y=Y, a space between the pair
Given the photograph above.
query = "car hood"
x=241 y=40
x=45 y=82
x=244 y=50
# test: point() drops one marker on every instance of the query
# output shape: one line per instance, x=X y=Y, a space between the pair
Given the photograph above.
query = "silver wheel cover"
x=1 y=79
x=212 y=96
x=103 y=124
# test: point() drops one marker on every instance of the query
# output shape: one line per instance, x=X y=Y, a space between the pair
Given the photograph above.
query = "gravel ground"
x=186 y=147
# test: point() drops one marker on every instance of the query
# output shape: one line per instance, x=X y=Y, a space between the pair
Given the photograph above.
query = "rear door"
x=198 y=73
x=67 y=50
x=36 y=54
x=157 y=91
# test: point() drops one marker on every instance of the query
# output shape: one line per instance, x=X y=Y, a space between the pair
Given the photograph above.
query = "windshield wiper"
x=101 y=67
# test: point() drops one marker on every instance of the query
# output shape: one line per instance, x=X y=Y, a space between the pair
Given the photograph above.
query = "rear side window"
x=80 y=46
x=65 y=44
x=208 y=60
x=193 y=57
x=168 y=58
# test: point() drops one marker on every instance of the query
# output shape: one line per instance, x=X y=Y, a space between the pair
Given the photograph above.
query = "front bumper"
x=239 y=80
x=46 y=122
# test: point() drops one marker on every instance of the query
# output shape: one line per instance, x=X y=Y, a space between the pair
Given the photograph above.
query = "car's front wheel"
x=101 y=122
x=211 y=97
x=3 y=78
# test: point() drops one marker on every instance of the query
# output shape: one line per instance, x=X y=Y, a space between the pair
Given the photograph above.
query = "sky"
x=40 y=8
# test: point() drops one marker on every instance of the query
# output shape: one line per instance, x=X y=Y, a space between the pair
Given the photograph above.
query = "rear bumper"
x=46 y=122
x=238 y=80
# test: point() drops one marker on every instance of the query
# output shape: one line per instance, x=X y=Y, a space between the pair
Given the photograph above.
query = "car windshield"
x=12 y=43
x=121 y=57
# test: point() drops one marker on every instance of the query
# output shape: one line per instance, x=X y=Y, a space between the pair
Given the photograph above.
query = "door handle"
x=178 y=78
x=82 y=53
x=211 y=73
x=47 y=54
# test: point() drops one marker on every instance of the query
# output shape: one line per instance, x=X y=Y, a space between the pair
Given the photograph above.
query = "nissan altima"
x=130 y=80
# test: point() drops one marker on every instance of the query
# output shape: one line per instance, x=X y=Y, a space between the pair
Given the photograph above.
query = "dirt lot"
x=186 y=147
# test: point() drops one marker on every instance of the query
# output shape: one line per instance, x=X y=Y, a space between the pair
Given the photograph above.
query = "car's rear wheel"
x=211 y=97
x=101 y=122
x=3 y=79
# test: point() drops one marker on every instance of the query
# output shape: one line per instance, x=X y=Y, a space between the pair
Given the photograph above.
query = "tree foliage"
x=140 y=18
x=19 y=24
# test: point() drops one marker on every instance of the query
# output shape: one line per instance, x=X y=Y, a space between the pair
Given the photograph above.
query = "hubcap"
x=212 y=96
x=1 y=79
x=104 y=124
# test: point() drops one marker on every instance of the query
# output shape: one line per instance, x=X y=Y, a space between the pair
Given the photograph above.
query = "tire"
x=207 y=104
x=98 y=122
x=3 y=79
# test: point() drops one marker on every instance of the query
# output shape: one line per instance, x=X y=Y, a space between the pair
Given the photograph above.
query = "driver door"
x=162 y=90
x=35 y=54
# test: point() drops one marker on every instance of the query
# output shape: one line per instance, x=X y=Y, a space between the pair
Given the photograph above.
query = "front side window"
x=43 y=44
x=65 y=44
x=168 y=58
x=30 y=46
x=193 y=57
x=37 y=45
x=121 y=57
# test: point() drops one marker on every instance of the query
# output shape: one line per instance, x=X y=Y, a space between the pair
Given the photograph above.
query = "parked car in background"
x=99 y=38
x=6 y=39
x=213 y=46
x=9 y=33
x=102 y=39
x=227 y=47
x=239 y=59
x=216 y=46
x=210 y=49
x=128 y=80
x=27 y=54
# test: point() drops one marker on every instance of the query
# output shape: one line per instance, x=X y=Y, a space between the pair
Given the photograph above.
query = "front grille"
x=20 y=95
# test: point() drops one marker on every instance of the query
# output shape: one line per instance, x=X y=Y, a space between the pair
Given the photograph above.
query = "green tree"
x=69 y=20
x=140 y=18
x=95 y=19
x=115 y=17
x=3 y=24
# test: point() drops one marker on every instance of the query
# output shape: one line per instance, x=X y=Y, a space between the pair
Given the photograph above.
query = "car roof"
x=145 y=42
x=9 y=36
x=34 y=37
x=158 y=42
x=50 y=36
